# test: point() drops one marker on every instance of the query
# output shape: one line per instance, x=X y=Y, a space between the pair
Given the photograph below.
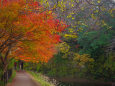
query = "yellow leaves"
x=103 y=23
x=103 y=8
x=82 y=8
x=69 y=16
x=64 y=47
x=49 y=12
x=70 y=36
x=62 y=9
x=73 y=18
x=71 y=30
x=66 y=55
x=72 y=5
x=54 y=6
x=47 y=3
x=91 y=60
x=82 y=59
x=69 y=3
x=41 y=2
x=77 y=1
x=61 y=2
x=72 y=0
x=74 y=26
x=93 y=16
x=80 y=29
x=96 y=11
x=99 y=1
x=61 y=5
x=72 y=13
x=111 y=12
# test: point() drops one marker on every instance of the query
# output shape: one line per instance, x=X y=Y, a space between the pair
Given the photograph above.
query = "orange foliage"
x=39 y=32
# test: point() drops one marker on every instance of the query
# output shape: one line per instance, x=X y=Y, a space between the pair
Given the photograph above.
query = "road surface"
x=23 y=79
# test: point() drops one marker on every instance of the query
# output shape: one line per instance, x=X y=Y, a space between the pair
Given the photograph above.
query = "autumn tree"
x=27 y=32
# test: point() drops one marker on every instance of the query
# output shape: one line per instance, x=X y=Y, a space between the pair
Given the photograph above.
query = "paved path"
x=23 y=79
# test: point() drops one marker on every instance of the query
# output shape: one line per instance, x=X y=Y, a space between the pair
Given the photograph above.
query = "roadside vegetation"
x=43 y=80
x=12 y=76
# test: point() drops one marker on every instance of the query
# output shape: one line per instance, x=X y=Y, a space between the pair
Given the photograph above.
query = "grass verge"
x=13 y=75
x=40 y=79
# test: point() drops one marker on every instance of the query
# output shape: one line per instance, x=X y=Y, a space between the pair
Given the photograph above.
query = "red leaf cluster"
x=39 y=31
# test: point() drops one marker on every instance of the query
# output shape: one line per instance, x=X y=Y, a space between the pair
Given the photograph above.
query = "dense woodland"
x=59 y=38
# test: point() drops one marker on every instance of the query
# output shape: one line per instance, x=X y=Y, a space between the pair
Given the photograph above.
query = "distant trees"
x=89 y=35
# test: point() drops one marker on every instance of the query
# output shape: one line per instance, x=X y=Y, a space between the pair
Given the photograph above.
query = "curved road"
x=23 y=79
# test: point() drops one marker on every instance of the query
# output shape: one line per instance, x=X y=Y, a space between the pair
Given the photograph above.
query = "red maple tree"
x=27 y=31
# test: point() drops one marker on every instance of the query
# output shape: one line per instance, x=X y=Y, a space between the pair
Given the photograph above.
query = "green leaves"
x=94 y=39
